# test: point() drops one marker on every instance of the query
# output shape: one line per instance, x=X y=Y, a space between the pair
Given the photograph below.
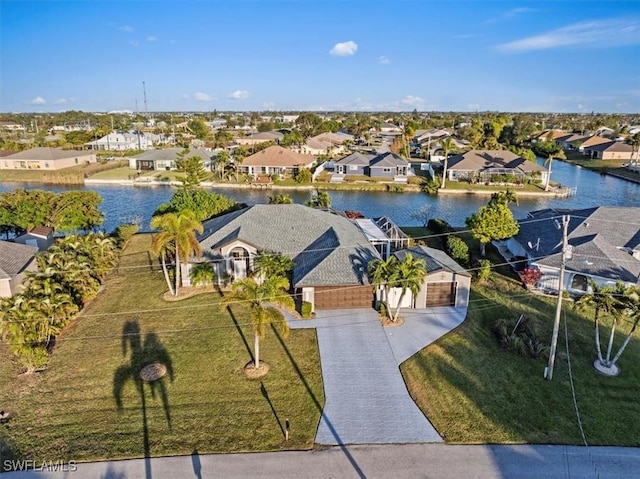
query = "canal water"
x=137 y=203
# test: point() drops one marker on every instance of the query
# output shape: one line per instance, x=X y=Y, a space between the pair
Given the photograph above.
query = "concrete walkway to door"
x=366 y=398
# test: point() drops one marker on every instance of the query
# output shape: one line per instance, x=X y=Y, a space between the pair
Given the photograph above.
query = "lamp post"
x=566 y=254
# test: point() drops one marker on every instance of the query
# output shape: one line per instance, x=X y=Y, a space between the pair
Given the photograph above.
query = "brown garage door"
x=441 y=294
x=343 y=297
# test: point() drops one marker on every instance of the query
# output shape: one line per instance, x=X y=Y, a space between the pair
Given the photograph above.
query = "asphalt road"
x=432 y=461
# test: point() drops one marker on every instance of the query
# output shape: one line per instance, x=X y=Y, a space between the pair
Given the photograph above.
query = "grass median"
x=70 y=410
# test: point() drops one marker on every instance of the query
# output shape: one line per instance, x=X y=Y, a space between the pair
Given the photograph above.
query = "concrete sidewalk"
x=367 y=401
x=436 y=461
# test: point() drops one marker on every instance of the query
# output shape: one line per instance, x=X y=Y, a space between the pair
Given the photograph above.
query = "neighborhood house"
x=493 y=166
x=42 y=158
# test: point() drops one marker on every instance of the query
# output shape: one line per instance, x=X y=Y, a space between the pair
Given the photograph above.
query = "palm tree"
x=550 y=149
x=447 y=145
x=382 y=274
x=258 y=296
x=634 y=141
x=269 y=265
x=409 y=275
x=630 y=306
x=602 y=301
x=178 y=230
x=319 y=199
x=202 y=274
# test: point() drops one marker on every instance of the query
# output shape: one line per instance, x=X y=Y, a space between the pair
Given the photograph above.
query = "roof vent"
x=586 y=225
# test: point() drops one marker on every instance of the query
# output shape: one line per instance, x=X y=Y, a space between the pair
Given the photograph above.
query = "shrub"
x=438 y=226
x=458 y=249
x=484 y=271
x=521 y=337
x=530 y=276
x=202 y=274
x=303 y=176
x=305 y=309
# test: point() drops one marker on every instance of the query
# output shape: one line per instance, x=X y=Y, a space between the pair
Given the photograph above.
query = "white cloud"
x=382 y=60
x=597 y=33
x=125 y=28
x=412 y=100
x=344 y=49
x=239 y=95
x=152 y=38
x=511 y=13
x=204 y=97
x=38 y=101
x=63 y=101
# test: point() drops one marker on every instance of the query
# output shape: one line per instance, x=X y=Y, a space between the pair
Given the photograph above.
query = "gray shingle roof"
x=14 y=257
x=386 y=160
x=612 y=146
x=355 y=159
x=327 y=249
x=480 y=160
x=601 y=237
x=47 y=154
x=435 y=259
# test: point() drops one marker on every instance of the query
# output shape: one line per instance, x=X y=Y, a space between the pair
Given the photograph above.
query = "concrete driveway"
x=366 y=398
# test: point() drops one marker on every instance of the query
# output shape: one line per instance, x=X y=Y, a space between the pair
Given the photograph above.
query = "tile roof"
x=14 y=257
x=278 y=156
x=480 y=160
x=47 y=154
x=327 y=249
x=601 y=237
x=436 y=260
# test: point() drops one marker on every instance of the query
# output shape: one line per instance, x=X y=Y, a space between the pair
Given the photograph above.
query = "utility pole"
x=144 y=91
x=566 y=254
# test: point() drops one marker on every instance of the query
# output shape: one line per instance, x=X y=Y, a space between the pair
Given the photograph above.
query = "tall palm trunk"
x=397 y=313
x=256 y=348
x=166 y=272
x=597 y=328
x=444 y=172
x=177 y=272
x=546 y=183
x=610 y=346
x=626 y=342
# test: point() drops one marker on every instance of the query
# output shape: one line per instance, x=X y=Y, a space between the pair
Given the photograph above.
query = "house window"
x=46 y=165
x=386 y=170
x=353 y=167
x=579 y=282
x=76 y=161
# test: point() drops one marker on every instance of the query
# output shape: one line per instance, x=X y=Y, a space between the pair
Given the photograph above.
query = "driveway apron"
x=367 y=401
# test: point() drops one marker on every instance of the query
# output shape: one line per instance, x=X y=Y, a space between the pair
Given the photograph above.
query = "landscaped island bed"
x=70 y=412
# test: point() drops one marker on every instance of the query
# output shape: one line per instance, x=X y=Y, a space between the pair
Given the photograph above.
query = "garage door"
x=343 y=297
x=441 y=294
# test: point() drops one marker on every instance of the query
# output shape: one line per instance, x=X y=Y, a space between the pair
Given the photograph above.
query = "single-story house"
x=549 y=135
x=165 y=159
x=261 y=137
x=612 y=150
x=389 y=165
x=570 y=140
x=40 y=236
x=581 y=143
x=383 y=165
x=330 y=252
x=446 y=284
x=15 y=260
x=486 y=165
x=42 y=158
x=604 y=241
x=276 y=160
x=353 y=164
x=317 y=147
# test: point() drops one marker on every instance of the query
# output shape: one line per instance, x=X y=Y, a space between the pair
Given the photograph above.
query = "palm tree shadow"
x=244 y=339
x=142 y=353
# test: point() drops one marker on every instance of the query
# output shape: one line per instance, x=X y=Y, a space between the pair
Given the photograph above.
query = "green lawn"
x=475 y=392
x=463 y=185
x=69 y=411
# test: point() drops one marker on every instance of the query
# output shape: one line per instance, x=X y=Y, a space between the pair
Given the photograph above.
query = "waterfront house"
x=354 y=164
x=329 y=251
x=581 y=143
x=611 y=150
x=446 y=283
x=493 y=166
x=276 y=160
x=40 y=236
x=42 y=158
x=389 y=165
x=15 y=260
x=165 y=160
x=604 y=243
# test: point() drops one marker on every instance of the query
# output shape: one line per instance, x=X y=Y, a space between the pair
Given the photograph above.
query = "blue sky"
x=365 y=55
